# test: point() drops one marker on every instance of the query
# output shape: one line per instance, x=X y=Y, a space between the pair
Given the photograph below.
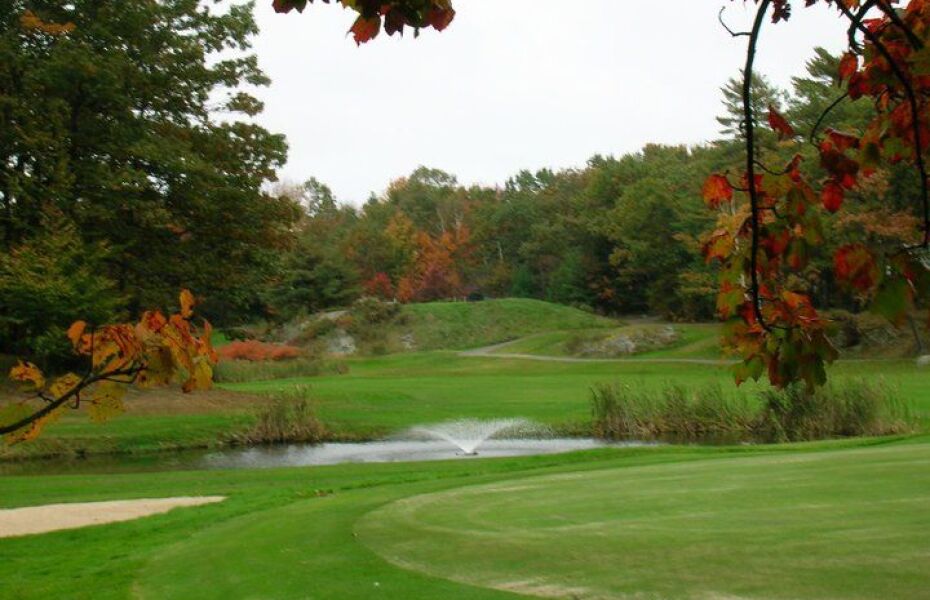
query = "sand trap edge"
x=31 y=520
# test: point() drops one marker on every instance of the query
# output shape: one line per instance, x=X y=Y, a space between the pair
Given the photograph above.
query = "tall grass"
x=288 y=418
x=854 y=408
x=243 y=371
x=622 y=412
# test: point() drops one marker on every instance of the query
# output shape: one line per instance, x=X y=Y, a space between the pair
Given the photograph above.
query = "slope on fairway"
x=844 y=524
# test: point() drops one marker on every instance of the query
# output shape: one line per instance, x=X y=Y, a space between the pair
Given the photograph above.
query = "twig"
x=823 y=116
x=725 y=26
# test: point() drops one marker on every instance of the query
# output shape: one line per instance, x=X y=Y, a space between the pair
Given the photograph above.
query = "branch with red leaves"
x=393 y=16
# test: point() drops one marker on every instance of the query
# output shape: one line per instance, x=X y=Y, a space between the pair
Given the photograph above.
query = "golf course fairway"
x=846 y=519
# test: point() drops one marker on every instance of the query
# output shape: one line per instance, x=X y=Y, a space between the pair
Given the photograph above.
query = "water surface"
x=301 y=455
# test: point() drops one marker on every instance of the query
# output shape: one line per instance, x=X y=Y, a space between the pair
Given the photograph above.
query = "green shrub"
x=852 y=408
x=371 y=311
x=288 y=418
x=234 y=334
x=243 y=371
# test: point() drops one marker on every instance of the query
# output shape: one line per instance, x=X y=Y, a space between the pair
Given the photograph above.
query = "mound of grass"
x=462 y=325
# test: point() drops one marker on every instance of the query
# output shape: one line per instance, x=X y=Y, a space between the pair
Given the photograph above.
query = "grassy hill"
x=462 y=325
x=374 y=328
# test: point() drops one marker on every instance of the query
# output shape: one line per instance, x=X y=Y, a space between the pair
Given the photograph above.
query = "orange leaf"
x=849 y=64
x=75 y=332
x=717 y=190
x=364 y=30
x=187 y=304
x=28 y=373
x=842 y=141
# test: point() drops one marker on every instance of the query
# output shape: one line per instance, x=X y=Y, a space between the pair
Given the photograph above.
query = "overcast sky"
x=510 y=85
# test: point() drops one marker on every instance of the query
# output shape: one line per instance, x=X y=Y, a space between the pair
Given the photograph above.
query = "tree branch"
x=72 y=393
x=892 y=14
x=725 y=26
x=749 y=117
x=823 y=116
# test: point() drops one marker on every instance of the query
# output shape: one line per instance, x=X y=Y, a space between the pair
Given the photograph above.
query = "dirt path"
x=492 y=352
x=52 y=517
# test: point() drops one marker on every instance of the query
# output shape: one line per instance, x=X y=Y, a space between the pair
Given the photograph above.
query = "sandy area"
x=52 y=517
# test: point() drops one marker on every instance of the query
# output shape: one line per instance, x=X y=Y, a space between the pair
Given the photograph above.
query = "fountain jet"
x=468 y=434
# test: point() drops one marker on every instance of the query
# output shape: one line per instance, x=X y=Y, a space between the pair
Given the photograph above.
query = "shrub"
x=236 y=334
x=368 y=312
x=852 y=408
x=255 y=350
x=243 y=371
x=288 y=418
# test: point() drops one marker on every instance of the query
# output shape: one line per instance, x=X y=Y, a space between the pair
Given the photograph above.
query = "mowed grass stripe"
x=845 y=524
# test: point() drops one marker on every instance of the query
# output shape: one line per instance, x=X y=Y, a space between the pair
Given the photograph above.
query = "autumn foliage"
x=773 y=215
x=256 y=351
x=157 y=350
x=390 y=15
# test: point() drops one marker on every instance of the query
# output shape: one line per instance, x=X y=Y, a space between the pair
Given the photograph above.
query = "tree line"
x=621 y=235
x=130 y=168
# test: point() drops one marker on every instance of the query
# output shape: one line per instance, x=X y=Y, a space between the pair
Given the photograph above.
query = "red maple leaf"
x=832 y=196
x=780 y=125
x=717 y=190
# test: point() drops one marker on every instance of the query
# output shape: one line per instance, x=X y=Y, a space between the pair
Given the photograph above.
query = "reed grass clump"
x=288 y=418
x=623 y=411
x=852 y=408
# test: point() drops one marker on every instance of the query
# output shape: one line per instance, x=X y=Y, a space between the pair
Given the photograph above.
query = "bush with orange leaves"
x=257 y=351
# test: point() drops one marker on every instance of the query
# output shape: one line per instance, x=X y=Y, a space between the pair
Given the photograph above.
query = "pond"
x=302 y=455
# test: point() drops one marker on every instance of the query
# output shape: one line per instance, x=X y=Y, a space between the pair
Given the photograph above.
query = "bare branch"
x=823 y=115
x=725 y=26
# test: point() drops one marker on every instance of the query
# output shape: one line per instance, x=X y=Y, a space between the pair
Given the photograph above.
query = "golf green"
x=848 y=524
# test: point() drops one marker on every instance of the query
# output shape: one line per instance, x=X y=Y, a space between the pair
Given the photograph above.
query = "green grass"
x=382 y=395
x=839 y=519
x=462 y=325
x=695 y=340
x=386 y=394
x=769 y=526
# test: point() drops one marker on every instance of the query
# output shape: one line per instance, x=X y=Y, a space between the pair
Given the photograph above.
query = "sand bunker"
x=52 y=517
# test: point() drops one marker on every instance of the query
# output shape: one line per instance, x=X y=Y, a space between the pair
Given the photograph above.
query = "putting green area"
x=827 y=525
x=846 y=519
